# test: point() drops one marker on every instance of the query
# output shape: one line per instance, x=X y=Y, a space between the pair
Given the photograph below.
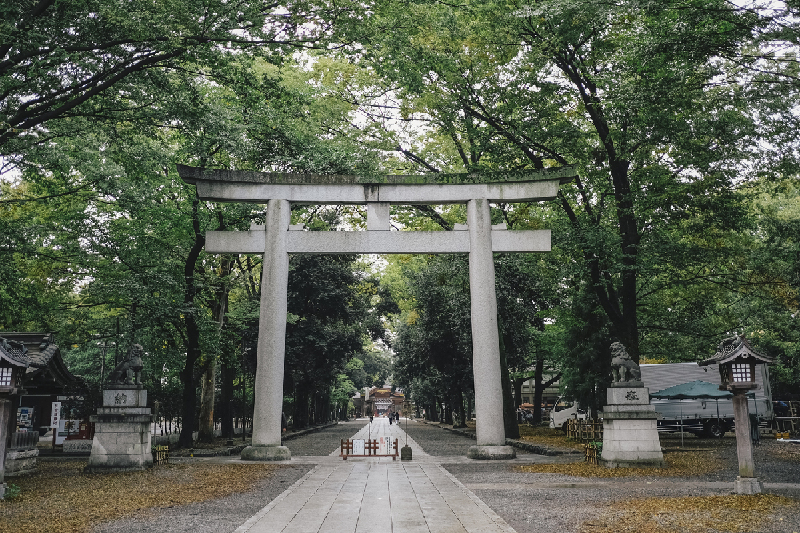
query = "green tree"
x=95 y=58
x=627 y=93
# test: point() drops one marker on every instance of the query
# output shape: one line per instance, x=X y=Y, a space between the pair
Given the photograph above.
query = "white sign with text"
x=358 y=446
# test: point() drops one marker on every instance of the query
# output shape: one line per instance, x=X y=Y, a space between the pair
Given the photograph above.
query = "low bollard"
x=405 y=453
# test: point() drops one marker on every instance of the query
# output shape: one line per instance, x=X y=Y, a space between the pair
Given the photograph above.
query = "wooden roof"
x=733 y=348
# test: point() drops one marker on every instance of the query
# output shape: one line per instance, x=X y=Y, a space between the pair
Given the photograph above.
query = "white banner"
x=55 y=414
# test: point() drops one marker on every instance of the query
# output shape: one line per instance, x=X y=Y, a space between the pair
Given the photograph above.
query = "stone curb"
x=236 y=450
x=527 y=446
x=306 y=431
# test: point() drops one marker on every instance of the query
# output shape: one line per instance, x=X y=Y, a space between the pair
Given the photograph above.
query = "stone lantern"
x=13 y=363
x=737 y=362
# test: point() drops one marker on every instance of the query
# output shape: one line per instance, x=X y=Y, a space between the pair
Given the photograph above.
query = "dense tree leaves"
x=616 y=90
x=96 y=58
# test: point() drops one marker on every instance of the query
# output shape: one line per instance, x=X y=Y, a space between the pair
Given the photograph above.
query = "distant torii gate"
x=277 y=239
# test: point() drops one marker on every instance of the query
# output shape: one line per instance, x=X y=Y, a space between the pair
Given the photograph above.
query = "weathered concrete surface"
x=122 y=433
x=630 y=433
x=491 y=452
x=377 y=242
x=266 y=453
x=271 y=334
x=21 y=462
x=368 y=494
x=121 y=442
x=485 y=335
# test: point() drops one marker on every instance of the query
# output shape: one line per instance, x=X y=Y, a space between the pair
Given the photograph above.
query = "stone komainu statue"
x=129 y=371
x=623 y=369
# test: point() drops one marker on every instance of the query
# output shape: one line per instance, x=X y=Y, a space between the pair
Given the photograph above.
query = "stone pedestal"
x=747 y=485
x=122 y=432
x=266 y=452
x=630 y=434
x=491 y=452
x=21 y=462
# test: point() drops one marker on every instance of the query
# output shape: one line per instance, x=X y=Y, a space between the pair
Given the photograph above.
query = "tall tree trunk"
x=509 y=409
x=518 y=382
x=192 y=338
x=205 y=431
x=301 y=405
x=539 y=385
x=459 y=418
x=208 y=381
x=226 y=402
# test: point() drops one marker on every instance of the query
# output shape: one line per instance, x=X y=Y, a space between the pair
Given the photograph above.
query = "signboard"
x=358 y=446
x=65 y=429
x=383 y=446
x=55 y=414
x=24 y=418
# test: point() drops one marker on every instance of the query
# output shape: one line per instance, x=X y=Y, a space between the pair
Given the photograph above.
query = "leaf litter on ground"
x=692 y=514
x=61 y=497
x=688 y=514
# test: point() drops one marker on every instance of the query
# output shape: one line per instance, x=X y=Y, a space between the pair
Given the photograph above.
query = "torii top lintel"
x=258 y=187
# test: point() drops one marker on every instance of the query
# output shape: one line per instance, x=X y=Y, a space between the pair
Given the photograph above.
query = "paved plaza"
x=366 y=494
x=440 y=490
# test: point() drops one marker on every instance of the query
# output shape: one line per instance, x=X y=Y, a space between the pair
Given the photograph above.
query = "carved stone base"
x=266 y=453
x=122 y=433
x=491 y=452
x=747 y=485
x=21 y=462
x=630 y=434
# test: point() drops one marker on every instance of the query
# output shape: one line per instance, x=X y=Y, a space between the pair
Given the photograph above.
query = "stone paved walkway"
x=368 y=494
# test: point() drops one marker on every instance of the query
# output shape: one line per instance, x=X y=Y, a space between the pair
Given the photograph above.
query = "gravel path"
x=529 y=502
x=533 y=503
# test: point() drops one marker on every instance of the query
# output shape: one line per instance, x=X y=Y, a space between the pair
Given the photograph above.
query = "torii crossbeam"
x=277 y=239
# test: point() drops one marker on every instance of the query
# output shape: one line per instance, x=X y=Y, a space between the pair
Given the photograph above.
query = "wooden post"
x=744 y=446
x=5 y=415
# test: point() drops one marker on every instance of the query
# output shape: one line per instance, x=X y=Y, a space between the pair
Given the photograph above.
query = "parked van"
x=562 y=411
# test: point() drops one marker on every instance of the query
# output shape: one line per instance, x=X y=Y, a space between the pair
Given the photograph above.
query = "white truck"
x=704 y=417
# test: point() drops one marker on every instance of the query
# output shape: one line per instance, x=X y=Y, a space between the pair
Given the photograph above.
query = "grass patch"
x=693 y=514
x=61 y=497
x=678 y=464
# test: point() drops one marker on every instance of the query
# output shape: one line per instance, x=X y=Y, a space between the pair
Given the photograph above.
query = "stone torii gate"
x=277 y=239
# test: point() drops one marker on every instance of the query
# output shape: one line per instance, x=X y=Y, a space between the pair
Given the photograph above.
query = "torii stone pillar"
x=490 y=434
x=271 y=339
x=277 y=239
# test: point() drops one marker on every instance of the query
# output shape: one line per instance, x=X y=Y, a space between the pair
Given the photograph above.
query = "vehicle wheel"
x=714 y=429
x=564 y=427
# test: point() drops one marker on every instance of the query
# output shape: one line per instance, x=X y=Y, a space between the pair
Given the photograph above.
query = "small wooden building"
x=47 y=380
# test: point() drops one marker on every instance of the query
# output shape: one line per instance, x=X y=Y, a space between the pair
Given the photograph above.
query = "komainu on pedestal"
x=122 y=425
x=630 y=434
